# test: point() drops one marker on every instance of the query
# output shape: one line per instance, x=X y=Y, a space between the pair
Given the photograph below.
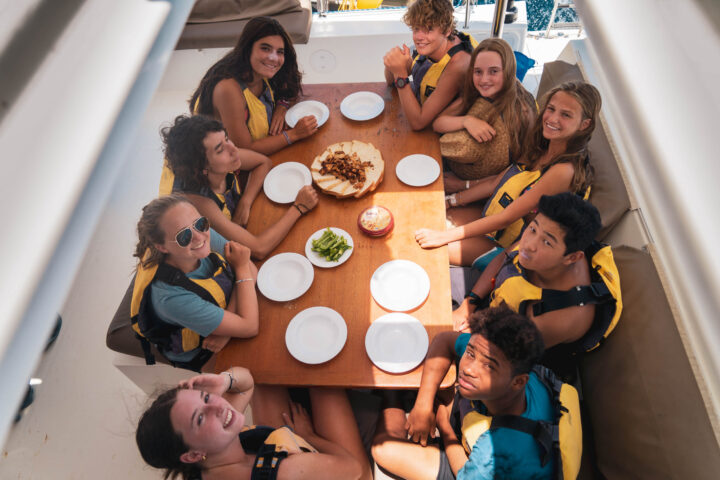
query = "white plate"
x=303 y=109
x=362 y=105
x=316 y=335
x=417 y=170
x=315 y=257
x=396 y=342
x=285 y=277
x=400 y=285
x=283 y=182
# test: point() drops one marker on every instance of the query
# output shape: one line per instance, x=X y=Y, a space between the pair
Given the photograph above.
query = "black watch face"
x=401 y=82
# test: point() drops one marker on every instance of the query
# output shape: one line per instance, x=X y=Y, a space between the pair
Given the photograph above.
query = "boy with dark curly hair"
x=495 y=374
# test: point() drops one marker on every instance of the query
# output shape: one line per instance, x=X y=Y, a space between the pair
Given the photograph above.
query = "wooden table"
x=346 y=288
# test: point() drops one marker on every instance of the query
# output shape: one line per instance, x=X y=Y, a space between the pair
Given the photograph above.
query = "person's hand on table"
x=207 y=382
x=397 y=61
x=427 y=238
x=479 y=129
x=215 y=343
x=452 y=183
x=307 y=197
x=304 y=127
x=420 y=425
x=277 y=123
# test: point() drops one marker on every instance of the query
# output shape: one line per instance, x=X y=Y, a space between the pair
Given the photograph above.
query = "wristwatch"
x=400 y=82
x=474 y=299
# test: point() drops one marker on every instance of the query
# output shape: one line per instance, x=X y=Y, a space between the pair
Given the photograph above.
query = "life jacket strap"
x=149 y=357
x=544 y=433
x=595 y=293
x=267 y=462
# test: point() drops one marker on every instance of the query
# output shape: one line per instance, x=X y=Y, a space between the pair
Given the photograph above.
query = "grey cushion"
x=218 y=23
x=121 y=337
x=646 y=409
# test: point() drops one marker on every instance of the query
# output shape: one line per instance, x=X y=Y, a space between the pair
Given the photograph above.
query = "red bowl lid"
x=376 y=221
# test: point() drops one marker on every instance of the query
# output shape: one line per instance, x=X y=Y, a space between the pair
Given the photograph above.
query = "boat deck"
x=82 y=422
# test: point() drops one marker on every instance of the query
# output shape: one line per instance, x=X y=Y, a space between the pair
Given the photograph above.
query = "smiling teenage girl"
x=197 y=431
x=250 y=88
x=437 y=67
x=490 y=80
x=555 y=160
x=187 y=298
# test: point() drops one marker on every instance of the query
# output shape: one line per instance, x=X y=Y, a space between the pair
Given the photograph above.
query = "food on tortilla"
x=348 y=169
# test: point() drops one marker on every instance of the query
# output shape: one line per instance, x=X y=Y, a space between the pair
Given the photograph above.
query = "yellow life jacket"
x=168 y=337
x=516 y=180
x=426 y=74
x=271 y=447
x=259 y=112
x=513 y=288
x=227 y=201
x=561 y=439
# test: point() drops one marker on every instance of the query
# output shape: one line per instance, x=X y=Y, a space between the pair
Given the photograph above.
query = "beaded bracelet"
x=283 y=103
x=287 y=138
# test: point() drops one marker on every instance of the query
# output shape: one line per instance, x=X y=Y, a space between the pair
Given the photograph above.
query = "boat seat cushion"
x=633 y=382
x=121 y=337
x=608 y=192
x=218 y=23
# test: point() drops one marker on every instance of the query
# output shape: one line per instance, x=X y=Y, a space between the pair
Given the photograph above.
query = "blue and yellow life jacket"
x=513 y=288
x=271 y=447
x=426 y=73
x=226 y=201
x=561 y=439
x=168 y=337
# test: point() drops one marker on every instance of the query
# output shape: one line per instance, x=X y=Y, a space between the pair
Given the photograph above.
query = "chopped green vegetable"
x=330 y=246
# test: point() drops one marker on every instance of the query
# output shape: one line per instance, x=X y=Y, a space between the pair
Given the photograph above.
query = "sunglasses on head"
x=184 y=236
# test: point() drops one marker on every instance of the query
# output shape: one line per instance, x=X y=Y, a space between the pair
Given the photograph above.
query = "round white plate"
x=396 y=342
x=362 y=105
x=285 y=277
x=303 y=109
x=316 y=335
x=417 y=170
x=319 y=261
x=400 y=285
x=283 y=182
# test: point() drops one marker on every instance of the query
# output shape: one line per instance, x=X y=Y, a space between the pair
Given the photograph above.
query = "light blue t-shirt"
x=506 y=453
x=178 y=306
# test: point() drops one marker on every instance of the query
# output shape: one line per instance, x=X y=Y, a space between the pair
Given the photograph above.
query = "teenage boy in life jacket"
x=552 y=258
x=496 y=374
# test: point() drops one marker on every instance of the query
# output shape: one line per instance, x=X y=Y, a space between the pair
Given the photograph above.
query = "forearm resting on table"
x=244 y=321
